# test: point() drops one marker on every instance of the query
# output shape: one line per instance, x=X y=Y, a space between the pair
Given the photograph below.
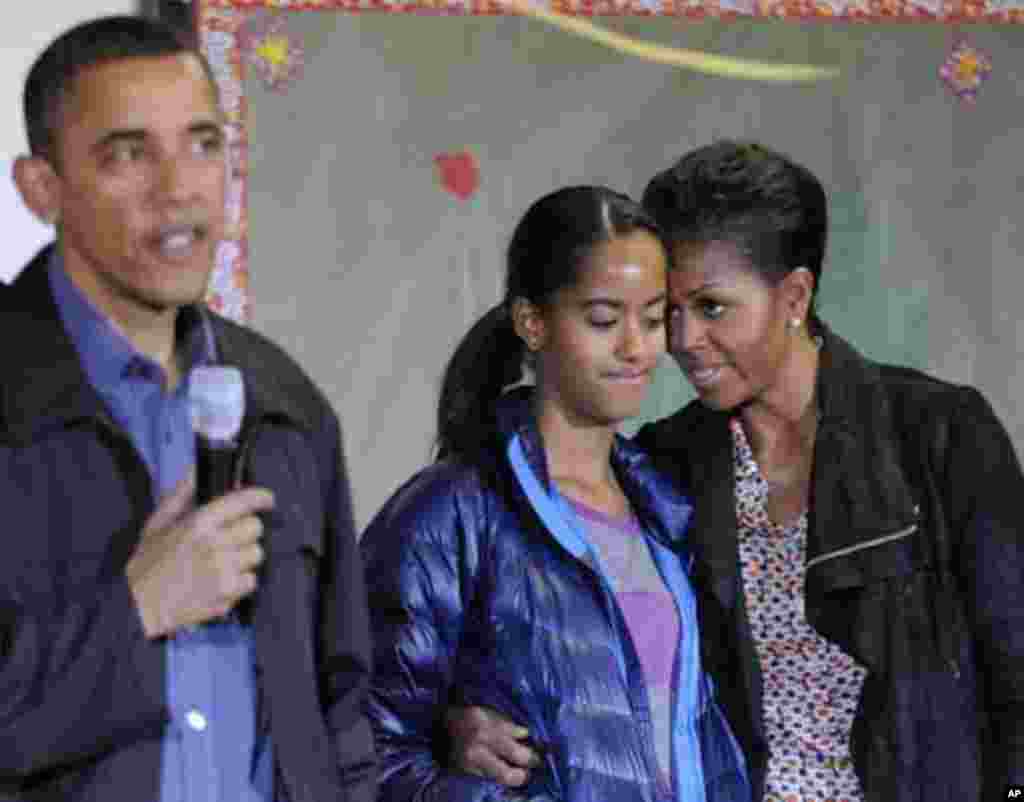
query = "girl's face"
x=727 y=326
x=598 y=342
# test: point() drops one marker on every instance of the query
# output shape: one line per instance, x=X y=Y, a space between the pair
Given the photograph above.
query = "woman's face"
x=601 y=339
x=727 y=326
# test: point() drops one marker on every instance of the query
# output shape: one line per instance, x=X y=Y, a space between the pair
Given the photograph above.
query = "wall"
x=23 y=35
x=368 y=272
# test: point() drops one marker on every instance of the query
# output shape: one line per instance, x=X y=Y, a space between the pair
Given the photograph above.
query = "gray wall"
x=369 y=273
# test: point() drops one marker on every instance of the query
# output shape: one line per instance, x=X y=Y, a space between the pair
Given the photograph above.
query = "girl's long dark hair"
x=545 y=254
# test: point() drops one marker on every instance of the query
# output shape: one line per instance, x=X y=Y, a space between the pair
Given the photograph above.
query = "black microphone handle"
x=215 y=469
x=216 y=476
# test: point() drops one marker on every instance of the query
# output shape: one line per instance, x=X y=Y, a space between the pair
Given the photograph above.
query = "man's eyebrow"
x=120 y=135
x=141 y=135
x=207 y=127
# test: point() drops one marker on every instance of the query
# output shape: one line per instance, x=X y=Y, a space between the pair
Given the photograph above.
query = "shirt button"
x=168 y=436
x=196 y=720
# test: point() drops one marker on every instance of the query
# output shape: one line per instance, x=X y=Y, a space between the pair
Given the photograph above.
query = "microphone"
x=217 y=399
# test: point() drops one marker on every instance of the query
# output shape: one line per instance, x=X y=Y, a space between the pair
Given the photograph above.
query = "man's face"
x=140 y=183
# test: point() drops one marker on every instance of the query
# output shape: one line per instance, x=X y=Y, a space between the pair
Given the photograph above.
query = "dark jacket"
x=915 y=555
x=81 y=689
x=478 y=596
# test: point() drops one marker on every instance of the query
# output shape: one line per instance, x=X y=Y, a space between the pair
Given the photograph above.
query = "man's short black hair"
x=114 y=38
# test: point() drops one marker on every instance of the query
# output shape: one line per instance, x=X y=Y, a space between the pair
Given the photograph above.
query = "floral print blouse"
x=811 y=687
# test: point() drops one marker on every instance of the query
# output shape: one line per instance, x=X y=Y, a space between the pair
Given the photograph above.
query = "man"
x=150 y=648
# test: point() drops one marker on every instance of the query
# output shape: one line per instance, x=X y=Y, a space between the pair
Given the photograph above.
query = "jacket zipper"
x=542 y=507
x=905 y=532
x=878 y=541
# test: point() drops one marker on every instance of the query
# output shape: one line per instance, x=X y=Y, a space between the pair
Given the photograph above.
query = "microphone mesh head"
x=217 y=397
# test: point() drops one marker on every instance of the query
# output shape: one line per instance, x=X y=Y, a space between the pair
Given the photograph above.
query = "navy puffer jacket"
x=475 y=599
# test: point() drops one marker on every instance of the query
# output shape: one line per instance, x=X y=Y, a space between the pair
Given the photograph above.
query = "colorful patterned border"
x=220 y=26
x=218 y=37
x=947 y=11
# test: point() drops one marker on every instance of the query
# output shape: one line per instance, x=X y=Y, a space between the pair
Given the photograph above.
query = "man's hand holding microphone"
x=200 y=552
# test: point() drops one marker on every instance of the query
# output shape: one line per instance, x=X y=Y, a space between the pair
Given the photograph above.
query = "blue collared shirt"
x=212 y=751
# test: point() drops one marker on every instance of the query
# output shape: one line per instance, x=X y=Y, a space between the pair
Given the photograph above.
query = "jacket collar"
x=270 y=377
x=45 y=386
x=659 y=505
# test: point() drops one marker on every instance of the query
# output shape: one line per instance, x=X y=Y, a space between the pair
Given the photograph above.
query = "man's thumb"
x=173 y=505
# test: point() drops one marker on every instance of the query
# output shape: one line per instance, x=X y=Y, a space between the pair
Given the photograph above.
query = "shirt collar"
x=107 y=356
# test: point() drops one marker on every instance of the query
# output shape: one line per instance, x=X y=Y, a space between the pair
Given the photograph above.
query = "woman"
x=539 y=566
x=857 y=532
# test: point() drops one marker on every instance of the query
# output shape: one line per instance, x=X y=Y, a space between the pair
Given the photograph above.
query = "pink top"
x=650 y=613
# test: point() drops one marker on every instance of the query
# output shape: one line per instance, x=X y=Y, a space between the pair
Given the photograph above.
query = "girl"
x=539 y=567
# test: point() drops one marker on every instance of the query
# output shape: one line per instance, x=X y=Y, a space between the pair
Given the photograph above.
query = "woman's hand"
x=487 y=744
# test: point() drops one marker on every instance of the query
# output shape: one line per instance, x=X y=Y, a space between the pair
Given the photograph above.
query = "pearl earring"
x=794 y=323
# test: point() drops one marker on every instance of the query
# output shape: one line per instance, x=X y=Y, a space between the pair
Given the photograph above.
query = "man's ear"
x=39 y=186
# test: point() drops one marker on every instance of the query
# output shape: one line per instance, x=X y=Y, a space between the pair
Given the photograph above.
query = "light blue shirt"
x=212 y=751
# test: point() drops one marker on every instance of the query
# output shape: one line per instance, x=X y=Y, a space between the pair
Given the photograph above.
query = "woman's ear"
x=798 y=293
x=529 y=324
x=39 y=187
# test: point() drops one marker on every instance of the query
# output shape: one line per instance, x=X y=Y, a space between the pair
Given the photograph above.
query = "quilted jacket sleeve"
x=985 y=487
x=421 y=556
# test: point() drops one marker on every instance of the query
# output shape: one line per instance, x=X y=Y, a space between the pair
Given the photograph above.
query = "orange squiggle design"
x=706 y=63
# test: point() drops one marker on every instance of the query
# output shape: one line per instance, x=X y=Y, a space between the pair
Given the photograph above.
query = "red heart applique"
x=459 y=173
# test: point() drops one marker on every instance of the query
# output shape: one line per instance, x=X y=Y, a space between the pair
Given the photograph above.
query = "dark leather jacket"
x=915 y=566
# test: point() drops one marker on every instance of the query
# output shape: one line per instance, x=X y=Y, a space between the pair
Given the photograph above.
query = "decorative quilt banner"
x=380 y=161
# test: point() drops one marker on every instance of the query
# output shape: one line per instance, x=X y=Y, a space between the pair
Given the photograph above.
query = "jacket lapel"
x=696 y=449
x=715 y=530
x=861 y=497
x=282 y=617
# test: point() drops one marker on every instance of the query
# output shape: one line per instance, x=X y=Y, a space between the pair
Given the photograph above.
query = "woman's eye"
x=602 y=323
x=712 y=310
x=655 y=322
